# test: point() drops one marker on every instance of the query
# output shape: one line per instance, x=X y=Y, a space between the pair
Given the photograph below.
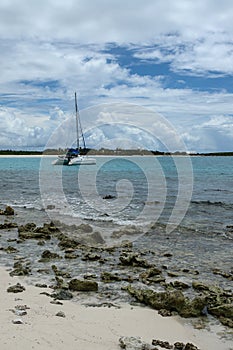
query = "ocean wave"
x=213 y=203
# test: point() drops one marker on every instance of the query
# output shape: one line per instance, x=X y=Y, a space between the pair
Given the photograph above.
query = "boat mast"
x=76 y=114
x=78 y=124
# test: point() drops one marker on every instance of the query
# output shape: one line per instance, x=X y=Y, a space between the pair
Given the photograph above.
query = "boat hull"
x=82 y=161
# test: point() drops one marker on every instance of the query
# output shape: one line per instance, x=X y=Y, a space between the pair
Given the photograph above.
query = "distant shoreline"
x=108 y=152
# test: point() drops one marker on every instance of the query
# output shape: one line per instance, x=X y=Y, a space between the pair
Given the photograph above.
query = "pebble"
x=20 y=312
x=17 y=321
x=60 y=314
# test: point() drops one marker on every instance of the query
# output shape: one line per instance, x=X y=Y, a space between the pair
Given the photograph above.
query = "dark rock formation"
x=83 y=285
x=47 y=256
x=17 y=288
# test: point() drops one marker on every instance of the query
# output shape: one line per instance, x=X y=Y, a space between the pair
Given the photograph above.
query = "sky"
x=171 y=59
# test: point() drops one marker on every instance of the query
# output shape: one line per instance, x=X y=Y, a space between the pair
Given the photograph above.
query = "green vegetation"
x=112 y=152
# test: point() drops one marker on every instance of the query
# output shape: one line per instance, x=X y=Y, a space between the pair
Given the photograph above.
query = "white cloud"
x=51 y=48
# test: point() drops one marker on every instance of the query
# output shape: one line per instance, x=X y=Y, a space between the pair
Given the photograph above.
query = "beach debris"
x=83 y=285
x=17 y=288
x=60 y=314
x=17 y=321
x=133 y=343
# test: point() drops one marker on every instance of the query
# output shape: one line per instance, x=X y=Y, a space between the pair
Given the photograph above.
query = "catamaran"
x=73 y=156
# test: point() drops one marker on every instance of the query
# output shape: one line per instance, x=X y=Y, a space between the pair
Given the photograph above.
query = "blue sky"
x=174 y=58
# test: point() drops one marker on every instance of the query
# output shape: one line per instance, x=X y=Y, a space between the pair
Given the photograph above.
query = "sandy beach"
x=83 y=327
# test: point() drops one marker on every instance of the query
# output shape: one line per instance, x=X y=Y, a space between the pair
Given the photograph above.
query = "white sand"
x=85 y=328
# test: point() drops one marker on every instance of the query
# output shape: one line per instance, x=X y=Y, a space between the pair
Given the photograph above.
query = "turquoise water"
x=133 y=183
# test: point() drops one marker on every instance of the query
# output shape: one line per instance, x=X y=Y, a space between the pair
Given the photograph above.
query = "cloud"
x=215 y=133
x=52 y=48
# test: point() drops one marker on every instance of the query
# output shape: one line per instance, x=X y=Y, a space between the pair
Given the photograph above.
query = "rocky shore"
x=69 y=262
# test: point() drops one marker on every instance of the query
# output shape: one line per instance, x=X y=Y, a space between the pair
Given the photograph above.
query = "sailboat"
x=73 y=157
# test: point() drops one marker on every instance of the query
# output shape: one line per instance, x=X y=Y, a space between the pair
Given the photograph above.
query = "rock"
x=133 y=259
x=8 y=225
x=162 y=344
x=133 y=343
x=167 y=255
x=94 y=238
x=71 y=256
x=190 y=346
x=17 y=321
x=62 y=295
x=50 y=206
x=47 y=255
x=194 y=308
x=33 y=235
x=84 y=228
x=56 y=302
x=61 y=284
x=20 y=269
x=60 y=273
x=109 y=196
x=66 y=242
x=179 y=346
x=10 y=250
x=108 y=277
x=17 y=288
x=41 y=285
x=224 y=274
x=22 y=307
x=60 y=314
x=30 y=231
x=83 y=286
x=224 y=310
x=20 y=312
x=172 y=301
x=165 y=313
x=91 y=256
x=152 y=275
x=178 y=285
x=9 y=210
x=226 y=321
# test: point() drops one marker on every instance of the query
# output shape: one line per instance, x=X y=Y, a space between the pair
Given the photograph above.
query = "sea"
x=126 y=190
x=181 y=205
x=176 y=212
